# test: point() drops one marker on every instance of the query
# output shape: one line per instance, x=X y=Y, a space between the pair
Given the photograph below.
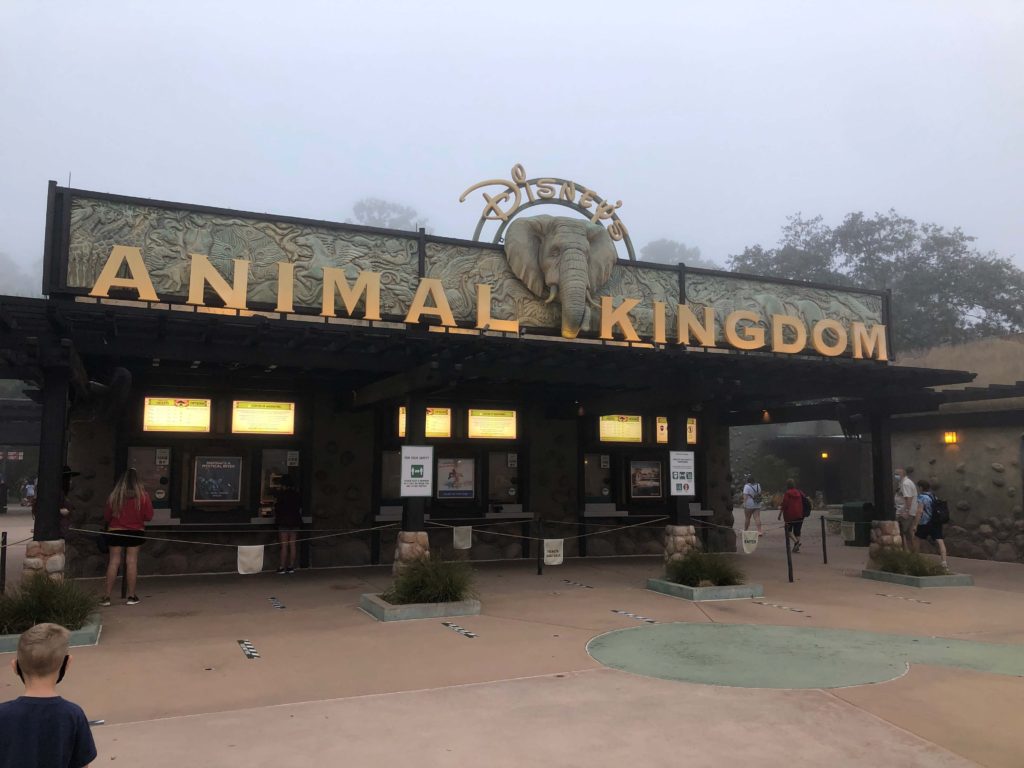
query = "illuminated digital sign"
x=662 y=429
x=621 y=429
x=254 y=417
x=176 y=414
x=439 y=422
x=492 y=424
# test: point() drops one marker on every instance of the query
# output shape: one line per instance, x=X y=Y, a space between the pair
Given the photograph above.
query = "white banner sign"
x=417 y=470
x=750 y=541
x=462 y=536
x=682 y=479
x=849 y=531
x=250 y=559
x=553 y=551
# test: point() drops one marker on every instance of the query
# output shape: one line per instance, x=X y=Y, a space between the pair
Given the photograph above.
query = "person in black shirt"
x=40 y=728
x=288 y=516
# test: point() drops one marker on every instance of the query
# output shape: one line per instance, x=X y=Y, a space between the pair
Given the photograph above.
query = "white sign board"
x=417 y=470
x=682 y=479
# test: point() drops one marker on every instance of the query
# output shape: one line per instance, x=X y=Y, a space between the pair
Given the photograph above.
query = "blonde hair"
x=41 y=649
x=127 y=487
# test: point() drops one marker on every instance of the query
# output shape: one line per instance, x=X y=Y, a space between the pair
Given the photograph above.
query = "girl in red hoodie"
x=127 y=512
x=792 y=511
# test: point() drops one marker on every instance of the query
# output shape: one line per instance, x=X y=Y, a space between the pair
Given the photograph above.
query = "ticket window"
x=275 y=464
x=153 y=466
x=598 y=487
x=503 y=488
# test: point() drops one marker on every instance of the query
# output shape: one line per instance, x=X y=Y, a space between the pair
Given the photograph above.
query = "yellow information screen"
x=492 y=424
x=439 y=422
x=691 y=431
x=255 y=417
x=621 y=429
x=175 y=414
x=662 y=425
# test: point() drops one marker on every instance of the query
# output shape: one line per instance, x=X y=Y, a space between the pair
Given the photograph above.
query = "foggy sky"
x=711 y=121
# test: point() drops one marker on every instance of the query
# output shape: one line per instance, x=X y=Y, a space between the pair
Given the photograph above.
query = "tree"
x=374 y=212
x=665 y=251
x=943 y=289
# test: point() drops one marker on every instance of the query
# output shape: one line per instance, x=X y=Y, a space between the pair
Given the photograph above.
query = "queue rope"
x=92 y=532
x=565 y=538
x=14 y=543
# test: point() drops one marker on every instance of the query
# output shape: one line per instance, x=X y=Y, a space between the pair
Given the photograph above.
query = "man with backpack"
x=752 y=504
x=934 y=513
x=794 y=508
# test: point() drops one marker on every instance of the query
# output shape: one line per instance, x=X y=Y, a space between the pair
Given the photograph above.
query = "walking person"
x=752 y=504
x=128 y=510
x=929 y=527
x=792 y=511
x=288 y=516
x=907 y=508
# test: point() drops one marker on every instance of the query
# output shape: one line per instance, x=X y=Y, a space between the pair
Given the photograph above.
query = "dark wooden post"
x=52 y=446
x=881 y=466
x=415 y=434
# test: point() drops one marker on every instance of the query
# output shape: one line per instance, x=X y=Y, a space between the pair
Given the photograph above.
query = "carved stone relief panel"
x=647 y=285
x=167 y=236
x=461 y=268
x=729 y=294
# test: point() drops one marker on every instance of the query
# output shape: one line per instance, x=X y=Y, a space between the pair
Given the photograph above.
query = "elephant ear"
x=602 y=256
x=523 y=241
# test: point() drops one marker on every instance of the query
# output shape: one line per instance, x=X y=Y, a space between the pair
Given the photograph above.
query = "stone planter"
x=87 y=635
x=737 y=592
x=382 y=610
x=949 y=580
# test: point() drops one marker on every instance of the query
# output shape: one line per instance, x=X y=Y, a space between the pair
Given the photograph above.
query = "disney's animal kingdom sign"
x=554 y=277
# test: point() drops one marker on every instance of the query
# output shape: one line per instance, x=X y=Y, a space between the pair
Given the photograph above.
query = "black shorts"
x=797 y=527
x=931 y=531
x=123 y=538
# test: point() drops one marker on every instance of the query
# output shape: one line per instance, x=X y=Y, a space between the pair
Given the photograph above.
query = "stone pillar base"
x=679 y=541
x=885 y=534
x=411 y=546
x=44 y=557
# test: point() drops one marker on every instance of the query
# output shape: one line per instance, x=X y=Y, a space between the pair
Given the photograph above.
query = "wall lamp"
x=824 y=454
x=950 y=438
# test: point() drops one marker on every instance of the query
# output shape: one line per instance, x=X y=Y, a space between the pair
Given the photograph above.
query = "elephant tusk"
x=592 y=301
x=552 y=295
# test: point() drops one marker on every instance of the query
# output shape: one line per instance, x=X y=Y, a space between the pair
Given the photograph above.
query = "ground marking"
x=577 y=584
x=901 y=597
x=634 y=616
x=249 y=649
x=460 y=630
x=276 y=603
x=783 y=607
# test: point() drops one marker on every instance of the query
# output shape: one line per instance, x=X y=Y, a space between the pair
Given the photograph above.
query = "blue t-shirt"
x=926 y=500
x=44 y=733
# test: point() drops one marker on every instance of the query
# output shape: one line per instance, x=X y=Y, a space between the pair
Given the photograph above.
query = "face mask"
x=897 y=478
x=60 y=674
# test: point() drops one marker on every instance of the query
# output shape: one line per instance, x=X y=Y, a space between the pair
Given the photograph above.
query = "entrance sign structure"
x=521 y=346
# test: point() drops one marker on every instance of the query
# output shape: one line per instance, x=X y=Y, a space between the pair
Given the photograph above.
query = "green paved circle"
x=752 y=656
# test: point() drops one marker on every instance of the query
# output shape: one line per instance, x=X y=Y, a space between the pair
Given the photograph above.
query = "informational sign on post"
x=417 y=470
x=682 y=480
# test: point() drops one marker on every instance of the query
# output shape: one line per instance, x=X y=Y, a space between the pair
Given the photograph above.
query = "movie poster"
x=456 y=479
x=645 y=479
x=218 y=479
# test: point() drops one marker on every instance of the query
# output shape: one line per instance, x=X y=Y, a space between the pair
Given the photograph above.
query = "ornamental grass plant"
x=41 y=599
x=700 y=569
x=432 y=580
x=908 y=563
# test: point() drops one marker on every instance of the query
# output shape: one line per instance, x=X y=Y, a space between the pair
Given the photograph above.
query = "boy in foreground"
x=41 y=729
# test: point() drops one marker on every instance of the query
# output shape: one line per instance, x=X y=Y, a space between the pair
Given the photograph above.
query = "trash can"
x=857 y=517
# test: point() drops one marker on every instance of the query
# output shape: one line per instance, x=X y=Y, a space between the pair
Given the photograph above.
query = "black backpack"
x=807 y=504
x=940 y=511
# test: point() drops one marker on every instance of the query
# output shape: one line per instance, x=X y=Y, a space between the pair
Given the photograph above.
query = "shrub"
x=40 y=598
x=909 y=563
x=699 y=569
x=432 y=580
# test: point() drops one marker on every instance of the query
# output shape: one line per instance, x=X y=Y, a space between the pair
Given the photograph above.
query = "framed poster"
x=645 y=479
x=217 y=479
x=456 y=478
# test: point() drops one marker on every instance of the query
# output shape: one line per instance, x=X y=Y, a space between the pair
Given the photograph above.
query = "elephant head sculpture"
x=561 y=259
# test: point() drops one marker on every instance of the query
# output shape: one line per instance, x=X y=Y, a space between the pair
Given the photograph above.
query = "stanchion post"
x=540 y=547
x=3 y=562
x=824 y=542
x=789 y=552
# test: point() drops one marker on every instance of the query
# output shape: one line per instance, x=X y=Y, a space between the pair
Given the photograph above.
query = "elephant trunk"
x=574 y=283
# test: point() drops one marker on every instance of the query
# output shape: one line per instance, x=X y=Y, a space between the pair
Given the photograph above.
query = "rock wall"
x=981 y=478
